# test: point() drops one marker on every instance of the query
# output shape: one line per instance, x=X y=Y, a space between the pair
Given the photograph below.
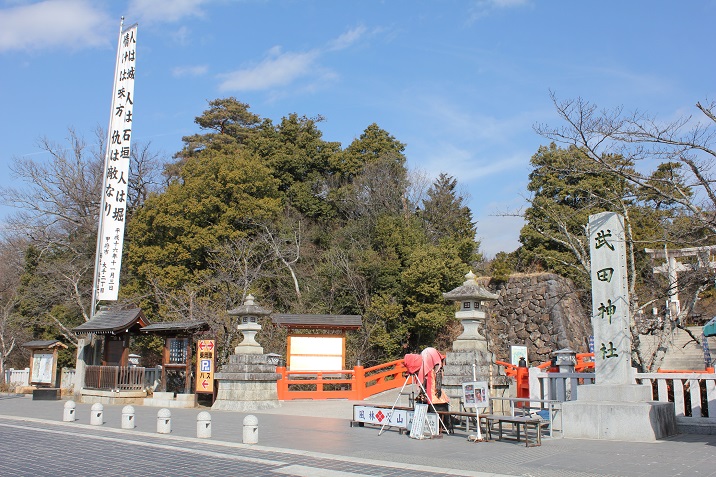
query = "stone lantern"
x=472 y=298
x=470 y=358
x=248 y=381
x=248 y=316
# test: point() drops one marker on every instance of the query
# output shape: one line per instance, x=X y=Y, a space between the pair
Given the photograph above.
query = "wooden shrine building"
x=177 y=353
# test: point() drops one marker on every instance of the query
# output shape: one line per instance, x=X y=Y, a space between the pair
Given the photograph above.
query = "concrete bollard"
x=97 y=414
x=164 y=421
x=128 y=417
x=251 y=430
x=203 y=425
x=69 y=413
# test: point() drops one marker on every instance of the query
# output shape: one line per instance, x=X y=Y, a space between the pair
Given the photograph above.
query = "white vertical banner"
x=116 y=170
x=610 y=299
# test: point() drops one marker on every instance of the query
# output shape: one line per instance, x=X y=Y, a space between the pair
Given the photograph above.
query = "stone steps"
x=684 y=352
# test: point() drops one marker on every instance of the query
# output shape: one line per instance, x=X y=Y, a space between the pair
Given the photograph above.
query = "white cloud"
x=196 y=70
x=467 y=165
x=499 y=234
x=54 y=24
x=347 y=39
x=165 y=11
x=482 y=8
x=279 y=69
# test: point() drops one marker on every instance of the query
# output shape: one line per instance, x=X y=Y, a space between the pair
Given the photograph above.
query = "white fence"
x=693 y=394
x=17 y=377
x=67 y=378
x=557 y=386
x=21 y=377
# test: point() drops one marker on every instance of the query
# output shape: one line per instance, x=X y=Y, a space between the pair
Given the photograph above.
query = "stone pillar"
x=83 y=349
x=614 y=408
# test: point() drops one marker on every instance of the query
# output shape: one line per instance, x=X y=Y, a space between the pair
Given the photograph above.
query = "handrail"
x=686 y=371
x=356 y=384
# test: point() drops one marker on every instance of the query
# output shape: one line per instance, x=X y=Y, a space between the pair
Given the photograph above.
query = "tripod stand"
x=414 y=378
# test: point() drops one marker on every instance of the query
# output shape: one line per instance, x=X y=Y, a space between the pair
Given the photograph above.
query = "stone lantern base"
x=459 y=369
x=247 y=383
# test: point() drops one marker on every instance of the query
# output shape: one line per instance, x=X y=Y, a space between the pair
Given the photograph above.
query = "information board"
x=42 y=366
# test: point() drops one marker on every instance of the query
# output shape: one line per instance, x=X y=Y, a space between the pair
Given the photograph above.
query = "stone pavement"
x=311 y=439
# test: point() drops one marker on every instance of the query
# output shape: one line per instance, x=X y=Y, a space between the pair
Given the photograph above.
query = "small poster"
x=475 y=394
x=517 y=352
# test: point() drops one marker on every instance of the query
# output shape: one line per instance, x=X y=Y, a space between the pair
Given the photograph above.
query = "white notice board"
x=416 y=429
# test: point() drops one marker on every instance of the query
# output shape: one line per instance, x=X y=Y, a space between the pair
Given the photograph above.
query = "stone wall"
x=542 y=311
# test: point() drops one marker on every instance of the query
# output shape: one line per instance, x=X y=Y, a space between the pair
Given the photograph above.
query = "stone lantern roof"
x=249 y=308
x=470 y=290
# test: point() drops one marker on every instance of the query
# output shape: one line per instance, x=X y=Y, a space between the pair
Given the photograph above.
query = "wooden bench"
x=529 y=407
x=517 y=421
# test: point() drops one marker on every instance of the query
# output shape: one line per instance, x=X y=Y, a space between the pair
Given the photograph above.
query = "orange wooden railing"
x=521 y=375
x=707 y=370
x=360 y=383
x=356 y=384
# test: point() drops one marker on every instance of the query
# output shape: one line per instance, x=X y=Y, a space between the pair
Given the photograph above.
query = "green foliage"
x=307 y=227
x=448 y=220
x=299 y=158
x=502 y=266
x=221 y=195
x=567 y=187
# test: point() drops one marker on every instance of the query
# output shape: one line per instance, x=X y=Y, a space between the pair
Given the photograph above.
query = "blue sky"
x=460 y=82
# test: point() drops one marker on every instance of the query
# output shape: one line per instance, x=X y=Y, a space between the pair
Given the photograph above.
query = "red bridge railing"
x=356 y=384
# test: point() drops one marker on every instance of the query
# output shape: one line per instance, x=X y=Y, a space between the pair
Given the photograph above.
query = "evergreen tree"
x=447 y=219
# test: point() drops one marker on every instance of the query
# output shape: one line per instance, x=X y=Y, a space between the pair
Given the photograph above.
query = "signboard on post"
x=418 y=424
x=205 y=366
x=475 y=395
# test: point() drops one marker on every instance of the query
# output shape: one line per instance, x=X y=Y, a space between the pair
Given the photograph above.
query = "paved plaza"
x=311 y=439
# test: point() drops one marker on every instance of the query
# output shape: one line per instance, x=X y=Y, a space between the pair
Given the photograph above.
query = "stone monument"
x=615 y=407
x=470 y=358
x=248 y=381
